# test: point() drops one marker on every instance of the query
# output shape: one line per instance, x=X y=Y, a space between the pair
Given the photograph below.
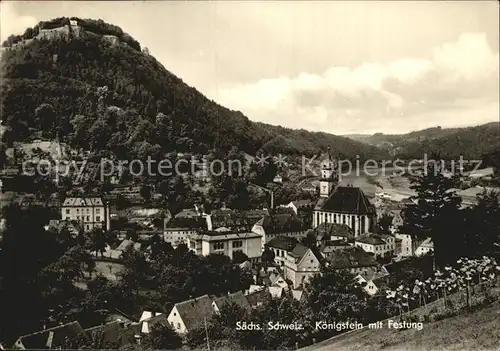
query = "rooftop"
x=370 y=239
x=353 y=257
x=327 y=230
x=347 y=199
x=283 y=242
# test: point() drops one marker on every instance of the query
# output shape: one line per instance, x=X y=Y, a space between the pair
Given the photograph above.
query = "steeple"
x=329 y=176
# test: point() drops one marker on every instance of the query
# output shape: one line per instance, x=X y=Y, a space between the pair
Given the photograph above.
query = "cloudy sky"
x=339 y=67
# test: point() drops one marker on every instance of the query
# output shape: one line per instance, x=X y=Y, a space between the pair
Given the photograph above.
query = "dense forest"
x=100 y=96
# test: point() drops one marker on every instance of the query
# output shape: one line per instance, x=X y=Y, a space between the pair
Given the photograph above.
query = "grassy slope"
x=479 y=330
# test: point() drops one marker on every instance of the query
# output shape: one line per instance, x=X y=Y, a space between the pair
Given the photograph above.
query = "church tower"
x=329 y=176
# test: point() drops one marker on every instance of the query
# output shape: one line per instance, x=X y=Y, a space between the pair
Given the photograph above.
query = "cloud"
x=458 y=83
x=11 y=23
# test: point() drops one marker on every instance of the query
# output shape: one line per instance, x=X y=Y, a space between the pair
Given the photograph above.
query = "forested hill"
x=469 y=142
x=92 y=85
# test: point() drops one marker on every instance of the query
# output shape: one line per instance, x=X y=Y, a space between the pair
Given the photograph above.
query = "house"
x=279 y=224
x=187 y=315
x=276 y=291
x=298 y=205
x=353 y=259
x=425 y=247
x=278 y=179
x=379 y=245
x=227 y=242
x=257 y=297
x=188 y=213
x=280 y=246
x=51 y=338
x=301 y=264
x=234 y=220
x=372 y=281
x=342 y=204
x=113 y=333
x=298 y=294
x=236 y=298
x=276 y=280
x=333 y=231
x=74 y=228
x=482 y=173
x=328 y=247
x=176 y=230
x=91 y=212
x=405 y=245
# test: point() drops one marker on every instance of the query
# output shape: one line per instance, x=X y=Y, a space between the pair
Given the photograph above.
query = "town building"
x=301 y=265
x=379 y=245
x=51 y=338
x=280 y=246
x=177 y=230
x=91 y=212
x=372 y=281
x=236 y=298
x=187 y=315
x=353 y=259
x=328 y=247
x=425 y=247
x=227 y=242
x=279 y=224
x=342 y=204
x=332 y=231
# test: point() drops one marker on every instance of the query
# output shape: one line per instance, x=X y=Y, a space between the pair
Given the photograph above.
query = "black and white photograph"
x=250 y=175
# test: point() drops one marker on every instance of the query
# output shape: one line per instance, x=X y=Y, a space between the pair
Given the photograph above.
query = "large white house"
x=378 y=245
x=90 y=212
x=227 y=242
x=342 y=204
x=187 y=315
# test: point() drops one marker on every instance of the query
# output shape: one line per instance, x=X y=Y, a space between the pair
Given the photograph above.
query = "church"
x=342 y=204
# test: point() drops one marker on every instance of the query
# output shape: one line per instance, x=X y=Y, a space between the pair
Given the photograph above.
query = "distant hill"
x=92 y=85
x=469 y=142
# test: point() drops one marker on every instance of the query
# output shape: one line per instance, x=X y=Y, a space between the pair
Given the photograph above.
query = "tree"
x=239 y=257
x=385 y=223
x=437 y=213
x=145 y=192
x=163 y=337
x=483 y=225
x=267 y=256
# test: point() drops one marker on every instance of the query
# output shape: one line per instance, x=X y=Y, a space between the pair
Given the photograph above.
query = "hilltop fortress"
x=66 y=32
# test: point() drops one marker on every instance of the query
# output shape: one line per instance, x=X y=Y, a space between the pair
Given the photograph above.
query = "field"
x=478 y=330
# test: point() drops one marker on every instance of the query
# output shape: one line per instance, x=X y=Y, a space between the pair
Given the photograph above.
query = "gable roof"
x=83 y=201
x=333 y=229
x=237 y=298
x=298 y=252
x=52 y=337
x=370 y=239
x=196 y=223
x=283 y=243
x=194 y=310
x=110 y=332
x=347 y=199
x=257 y=298
x=352 y=257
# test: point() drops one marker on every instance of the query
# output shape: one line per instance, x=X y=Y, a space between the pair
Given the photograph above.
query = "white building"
x=378 y=245
x=187 y=315
x=91 y=212
x=301 y=265
x=425 y=247
x=227 y=242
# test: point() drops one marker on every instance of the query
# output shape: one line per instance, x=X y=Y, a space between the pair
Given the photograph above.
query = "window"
x=98 y=210
x=238 y=243
x=218 y=245
x=88 y=218
x=77 y=210
x=98 y=218
x=77 y=218
x=88 y=227
x=68 y=218
x=67 y=211
x=178 y=326
x=88 y=210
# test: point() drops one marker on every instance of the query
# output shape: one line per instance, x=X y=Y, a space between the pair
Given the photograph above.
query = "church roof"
x=347 y=199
